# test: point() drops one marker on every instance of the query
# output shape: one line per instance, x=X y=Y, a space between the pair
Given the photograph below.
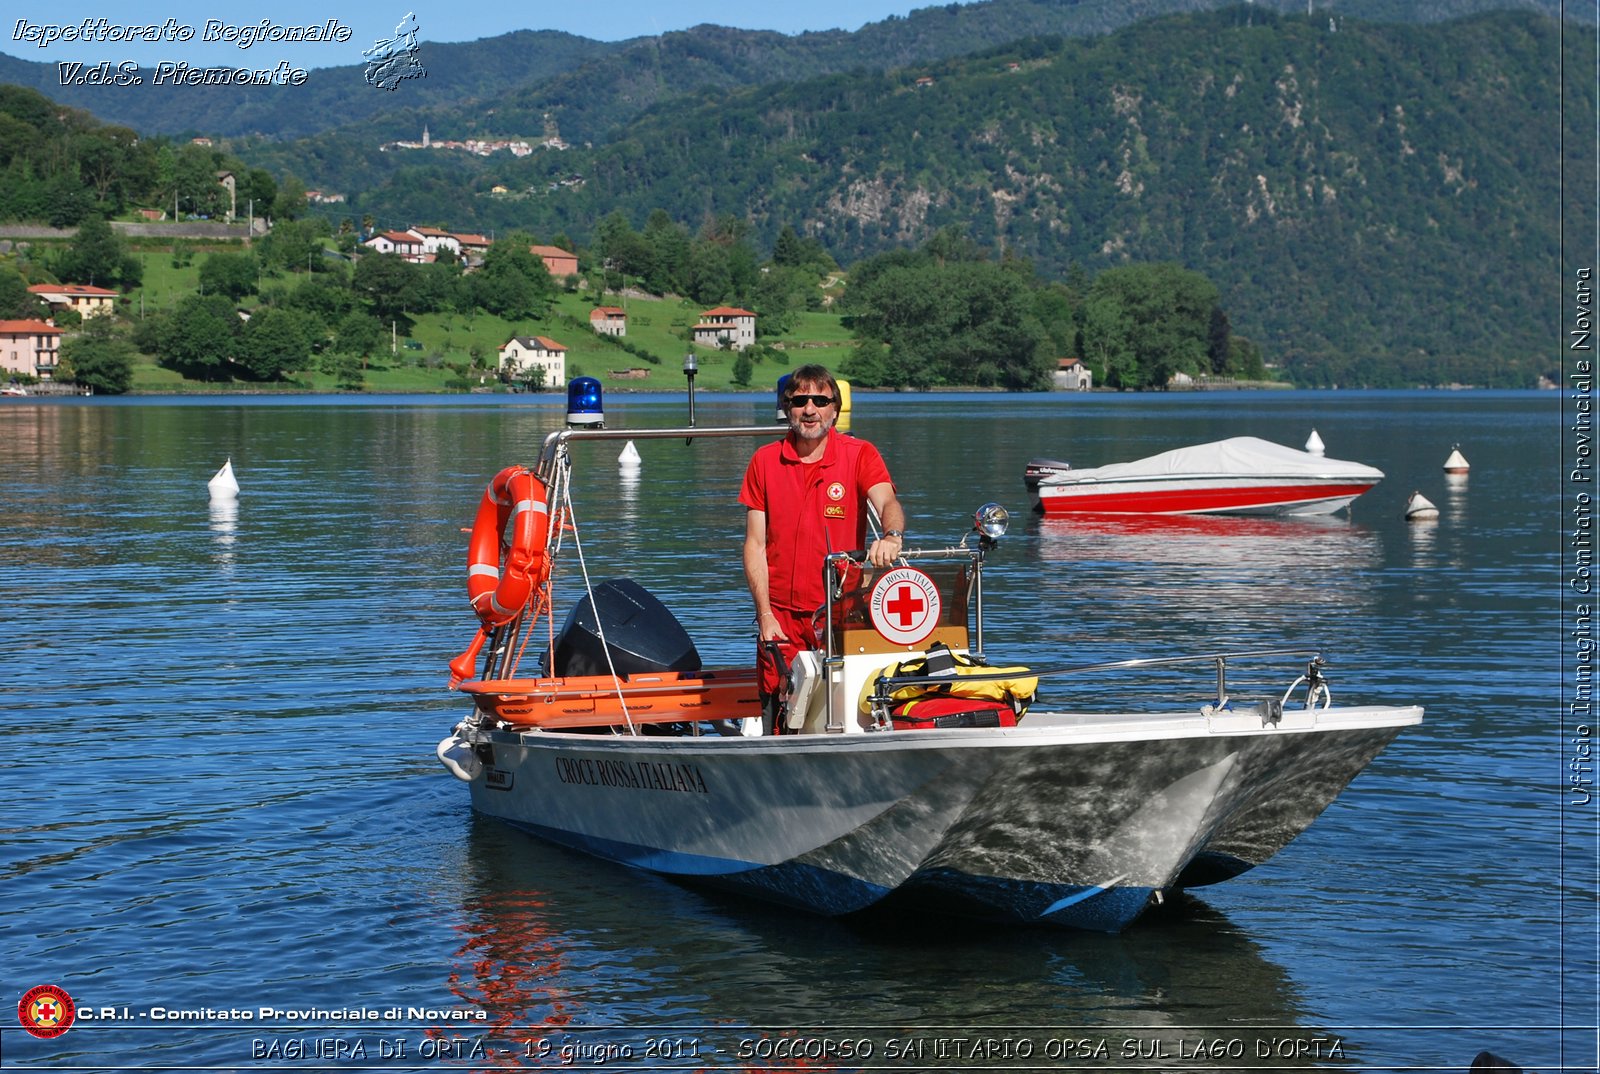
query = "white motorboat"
x=622 y=746
x=1241 y=475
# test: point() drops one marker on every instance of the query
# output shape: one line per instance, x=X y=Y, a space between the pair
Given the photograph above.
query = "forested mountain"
x=1377 y=202
x=330 y=97
x=512 y=84
x=1363 y=193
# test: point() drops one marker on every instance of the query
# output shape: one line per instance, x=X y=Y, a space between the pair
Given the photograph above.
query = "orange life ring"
x=517 y=497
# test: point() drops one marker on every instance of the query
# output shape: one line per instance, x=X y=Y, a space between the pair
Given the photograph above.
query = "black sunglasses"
x=818 y=401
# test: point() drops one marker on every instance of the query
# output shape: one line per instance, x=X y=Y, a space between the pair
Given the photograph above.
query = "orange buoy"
x=498 y=594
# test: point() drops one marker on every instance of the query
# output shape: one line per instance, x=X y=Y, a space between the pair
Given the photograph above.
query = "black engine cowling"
x=640 y=632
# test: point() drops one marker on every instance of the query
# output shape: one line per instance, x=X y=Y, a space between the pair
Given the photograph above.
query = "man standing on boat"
x=807 y=496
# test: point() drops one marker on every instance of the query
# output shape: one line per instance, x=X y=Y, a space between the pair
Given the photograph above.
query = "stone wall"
x=183 y=229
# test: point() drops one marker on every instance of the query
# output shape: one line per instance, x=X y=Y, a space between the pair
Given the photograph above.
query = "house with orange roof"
x=609 y=320
x=473 y=247
x=31 y=348
x=559 y=262
x=1073 y=376
x=401 y=243
x=522 y=354
x=434 y=240
x=726 y=326
x=86 y=301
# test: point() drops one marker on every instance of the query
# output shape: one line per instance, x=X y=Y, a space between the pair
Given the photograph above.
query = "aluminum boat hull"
x=1066 y=820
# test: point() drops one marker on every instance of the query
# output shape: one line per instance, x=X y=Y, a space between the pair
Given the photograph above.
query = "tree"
x=290 y=202
x=1162 y=325
x=788 y=250
x=16 y=301
x=67 y=202
x=292 y=245
x=197 y=339
x=668 y=243
x=279 y=341
x=98 y=358
x=232 y=274
x=96 y=256
x=513 y=283
x=257 y=191
x=533 y=378
x=384 y=280
x=1107 y=344
x=358 y=334
x=922 y=324
x=195 y=186
x=1219 y=348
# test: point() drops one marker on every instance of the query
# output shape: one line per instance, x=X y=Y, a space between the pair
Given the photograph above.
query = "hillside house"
x=727 y=327
x=229 y=182
x=401 y=243
x=609 y=321
x=31 y=348
x=1073 y=376
x=434 y=240
x=524 y=353
x=86 y=301
x=560 y=263
x=473 y=247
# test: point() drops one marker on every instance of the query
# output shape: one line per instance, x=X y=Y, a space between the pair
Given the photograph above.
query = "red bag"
x=925 y=712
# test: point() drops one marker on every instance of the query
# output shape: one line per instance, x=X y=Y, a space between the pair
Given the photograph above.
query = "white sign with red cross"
x=905 y=605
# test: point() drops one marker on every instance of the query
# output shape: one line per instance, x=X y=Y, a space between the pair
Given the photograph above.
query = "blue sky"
x=25 y=23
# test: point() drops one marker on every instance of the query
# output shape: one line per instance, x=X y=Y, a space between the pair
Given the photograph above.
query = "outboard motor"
x=641 y=634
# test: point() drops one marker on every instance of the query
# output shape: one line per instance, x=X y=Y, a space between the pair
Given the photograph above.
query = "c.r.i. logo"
x=46 y=1011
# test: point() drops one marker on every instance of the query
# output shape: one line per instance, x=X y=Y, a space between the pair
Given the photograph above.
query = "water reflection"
x=628 y=493
x=1423 y=532
x=1214 y=562
x=224 y=521
x=553 y=940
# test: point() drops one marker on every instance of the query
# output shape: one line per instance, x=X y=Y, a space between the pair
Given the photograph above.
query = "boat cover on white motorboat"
x=1240 y=475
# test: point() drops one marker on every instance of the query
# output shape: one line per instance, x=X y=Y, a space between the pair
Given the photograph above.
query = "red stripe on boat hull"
x=1233 y=499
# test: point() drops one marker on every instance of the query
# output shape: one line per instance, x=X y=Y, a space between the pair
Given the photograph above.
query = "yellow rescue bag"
x=1014 y=685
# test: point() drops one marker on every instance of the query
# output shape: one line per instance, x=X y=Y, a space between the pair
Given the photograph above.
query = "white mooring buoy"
x=629 y=459
x=1457 y=462
x=1420 y=509
x=1314 y=443
x=223 y=485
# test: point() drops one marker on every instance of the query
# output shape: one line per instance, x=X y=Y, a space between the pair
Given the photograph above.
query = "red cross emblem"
x=46 y=1011
x=905 y=605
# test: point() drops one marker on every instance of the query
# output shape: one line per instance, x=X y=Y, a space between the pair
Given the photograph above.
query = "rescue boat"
x=1243 y=475
x=902 y=764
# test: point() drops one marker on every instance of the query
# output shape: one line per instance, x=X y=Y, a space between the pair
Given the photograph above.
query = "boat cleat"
x=1267 y=713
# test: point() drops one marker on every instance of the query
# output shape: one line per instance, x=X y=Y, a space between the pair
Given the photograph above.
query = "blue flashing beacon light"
x=584 y=405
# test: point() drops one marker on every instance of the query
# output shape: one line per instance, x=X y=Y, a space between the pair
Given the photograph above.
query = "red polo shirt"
x=812 y=509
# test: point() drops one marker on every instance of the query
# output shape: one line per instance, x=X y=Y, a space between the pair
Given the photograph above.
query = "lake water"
x=227 y=838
